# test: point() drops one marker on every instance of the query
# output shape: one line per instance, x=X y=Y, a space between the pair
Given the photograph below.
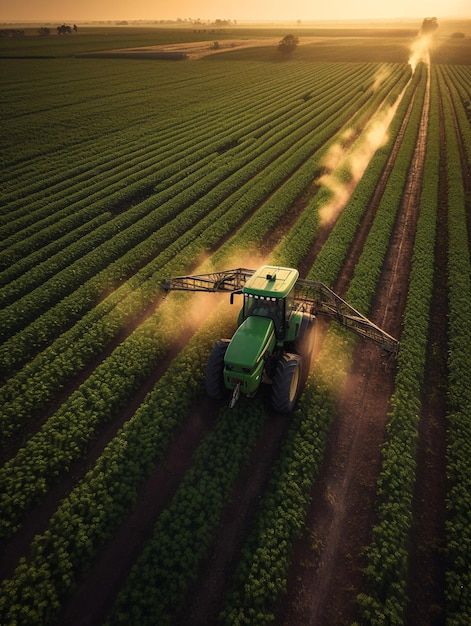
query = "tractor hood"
x=249 y=342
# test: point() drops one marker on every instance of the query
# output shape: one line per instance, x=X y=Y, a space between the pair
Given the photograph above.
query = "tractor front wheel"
x=286 y=383
x=215 y=370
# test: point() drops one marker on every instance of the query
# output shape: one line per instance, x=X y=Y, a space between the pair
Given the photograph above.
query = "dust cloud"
x=347 y=166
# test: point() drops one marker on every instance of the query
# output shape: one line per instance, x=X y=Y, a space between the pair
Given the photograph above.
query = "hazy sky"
x=56 y=10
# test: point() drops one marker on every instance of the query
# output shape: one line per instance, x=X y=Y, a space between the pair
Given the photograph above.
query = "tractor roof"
x=271 y=281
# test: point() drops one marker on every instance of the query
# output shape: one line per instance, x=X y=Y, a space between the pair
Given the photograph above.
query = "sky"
x=57 y=10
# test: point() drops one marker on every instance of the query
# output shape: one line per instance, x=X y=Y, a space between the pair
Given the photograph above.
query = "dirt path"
x=342 y=513
x=196 y=49
x=427 y=543
x=204 y=598
x=95 y=593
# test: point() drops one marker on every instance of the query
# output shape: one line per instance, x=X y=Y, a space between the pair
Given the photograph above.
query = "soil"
x=427 y=542
x=205 y=597
x=326 y=573
x=197 y=49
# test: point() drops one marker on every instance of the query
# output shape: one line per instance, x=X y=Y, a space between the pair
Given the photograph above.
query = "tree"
x=64 y=30
x=288 y=44
x=44 y=32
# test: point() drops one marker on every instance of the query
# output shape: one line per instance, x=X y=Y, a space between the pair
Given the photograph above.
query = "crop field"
x=126 y=495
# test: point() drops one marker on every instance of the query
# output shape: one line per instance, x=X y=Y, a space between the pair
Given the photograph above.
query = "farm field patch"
x=128 y=496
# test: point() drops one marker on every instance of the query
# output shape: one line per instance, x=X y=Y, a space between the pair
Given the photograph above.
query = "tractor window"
x=266 y=307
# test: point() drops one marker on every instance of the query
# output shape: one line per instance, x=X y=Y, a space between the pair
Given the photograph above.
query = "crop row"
x=261 y=575
x=158 y=590
x=27 y=392
x=22 y=486
x=172 y=169
x=148 y=603
x=42 y=330
x=95 y=119
x=91 y=512
x=159 y=579
x=189 y=148
x=125 y=461
x=96 y=163
x=387 y=556
x=133 y=136
x=458 y=524
x=179 y=176
x=198 y=117
x=462 y=120
x=41 y=587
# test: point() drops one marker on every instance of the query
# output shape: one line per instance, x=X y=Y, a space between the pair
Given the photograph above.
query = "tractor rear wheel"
x=286 y=383
x=215 y=370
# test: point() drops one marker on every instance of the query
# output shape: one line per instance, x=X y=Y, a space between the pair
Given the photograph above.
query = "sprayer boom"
x=310 y=297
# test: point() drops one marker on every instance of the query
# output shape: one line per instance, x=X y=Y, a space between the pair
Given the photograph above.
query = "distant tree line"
x=12 y=32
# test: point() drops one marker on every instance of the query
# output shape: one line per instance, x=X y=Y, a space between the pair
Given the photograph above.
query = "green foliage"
x=92 y=510
x=387 y=555
x=458 y=525
x=261 y=575
x=158 y=581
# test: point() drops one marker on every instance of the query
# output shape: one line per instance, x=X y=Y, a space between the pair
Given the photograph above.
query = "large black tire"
x=215 y=370
x=286 y=382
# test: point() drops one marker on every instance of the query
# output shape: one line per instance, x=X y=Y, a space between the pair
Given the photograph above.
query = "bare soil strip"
x=95 y=593
x=427 y=543
x=196 y=49
x=326 y=574
x=204 y=598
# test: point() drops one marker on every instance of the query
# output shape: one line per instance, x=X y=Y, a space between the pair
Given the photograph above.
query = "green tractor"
x=273 y=340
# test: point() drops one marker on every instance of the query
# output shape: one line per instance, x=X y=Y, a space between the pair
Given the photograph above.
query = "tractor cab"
x=269 y=293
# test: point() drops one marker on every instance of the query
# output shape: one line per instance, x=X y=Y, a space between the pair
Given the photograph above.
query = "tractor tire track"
x=205 y=598
x=90 y=602
x=327 y=571
x=426 y=583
